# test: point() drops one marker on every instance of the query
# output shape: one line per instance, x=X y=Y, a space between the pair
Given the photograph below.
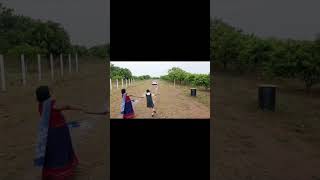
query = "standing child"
x=150 y=104
x=54 y=151
x=126 y=106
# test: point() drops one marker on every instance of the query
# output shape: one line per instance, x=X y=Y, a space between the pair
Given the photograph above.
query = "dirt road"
x=249 y=144
x=19 y=120
x=170 y=102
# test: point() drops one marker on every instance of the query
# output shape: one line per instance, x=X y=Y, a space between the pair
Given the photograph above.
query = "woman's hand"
x=68 y=107
x=75 y=108
x=97 y=113
x=136 y=96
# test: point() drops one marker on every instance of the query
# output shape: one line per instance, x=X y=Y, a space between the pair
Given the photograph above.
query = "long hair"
x=42 y=93
x=123 y=91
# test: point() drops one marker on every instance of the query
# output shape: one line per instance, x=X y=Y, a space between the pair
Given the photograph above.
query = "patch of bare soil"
x=250 y=144
x=19 y=121
x=170 y=102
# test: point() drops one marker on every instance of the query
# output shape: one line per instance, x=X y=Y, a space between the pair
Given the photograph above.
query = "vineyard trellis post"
x=77 y=63
x=117 y=84
x=2 y=69
x=122 y=83
x=51 y=67
x=110 y=84
x=61 y=64
x=69 y=58
x=126 y=83
x=23 y=70
x=39 y=67
x=174 y=83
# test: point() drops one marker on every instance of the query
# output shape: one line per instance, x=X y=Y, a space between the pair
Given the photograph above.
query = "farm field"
x=249 y=144
x=172 y=102
x=19 y=121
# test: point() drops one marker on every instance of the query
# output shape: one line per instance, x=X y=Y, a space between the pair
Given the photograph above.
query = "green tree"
x=21 y=31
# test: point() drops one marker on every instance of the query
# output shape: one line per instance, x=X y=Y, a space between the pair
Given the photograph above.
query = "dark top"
x=57 y=118
x=149 y=100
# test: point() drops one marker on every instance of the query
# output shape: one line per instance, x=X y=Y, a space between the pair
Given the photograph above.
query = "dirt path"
x=19 y=120
x=171 y=102
x=248 y=144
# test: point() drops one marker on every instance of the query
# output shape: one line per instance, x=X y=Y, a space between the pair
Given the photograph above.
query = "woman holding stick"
x=54 y=151
x=104 y=112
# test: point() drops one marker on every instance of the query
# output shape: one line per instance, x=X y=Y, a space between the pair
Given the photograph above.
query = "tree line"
x=124 y=73
x=183 y=77
x=232 y=49
x=23 y=35
x=143 y=77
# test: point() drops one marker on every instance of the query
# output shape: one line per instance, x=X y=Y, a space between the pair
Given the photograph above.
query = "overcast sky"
x=87 y=21
x=298 y=19
x=156 y=69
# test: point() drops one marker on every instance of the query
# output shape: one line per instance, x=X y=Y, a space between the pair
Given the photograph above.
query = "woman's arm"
x=136 y=96
x=63 y=107
x=98 y=113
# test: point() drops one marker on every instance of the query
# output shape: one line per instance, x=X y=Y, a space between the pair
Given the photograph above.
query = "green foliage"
x=31 y=35
x=80 y=50
x=101 y=51
x=202 y=80
x=225 y=42
x=20 y=34
x=144 y=77
x=124 y=73
x=177 y=74
x=242 y=52
x=120 y=73
x=27 y=50
x=296 y=59
x=180 y=76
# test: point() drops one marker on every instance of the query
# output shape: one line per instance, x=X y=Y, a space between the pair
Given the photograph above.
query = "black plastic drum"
x=267 y=97
x=193 y=92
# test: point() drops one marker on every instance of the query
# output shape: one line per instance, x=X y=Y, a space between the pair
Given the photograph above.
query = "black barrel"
x=193 y=92
x=267 y=97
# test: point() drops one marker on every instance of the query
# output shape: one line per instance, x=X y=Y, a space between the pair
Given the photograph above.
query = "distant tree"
x=21 y=31
x=27 y=50
x=120 y=73
x=101 y=51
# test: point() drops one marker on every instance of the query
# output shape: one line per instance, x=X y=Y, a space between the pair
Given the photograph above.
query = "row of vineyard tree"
x=232 y=49
x=23 y=35
x=124 y=73
x=180 y=76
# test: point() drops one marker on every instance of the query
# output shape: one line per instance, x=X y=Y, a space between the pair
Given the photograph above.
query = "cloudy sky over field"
x=296 y=19
x=88 y=21
x=157 y=69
